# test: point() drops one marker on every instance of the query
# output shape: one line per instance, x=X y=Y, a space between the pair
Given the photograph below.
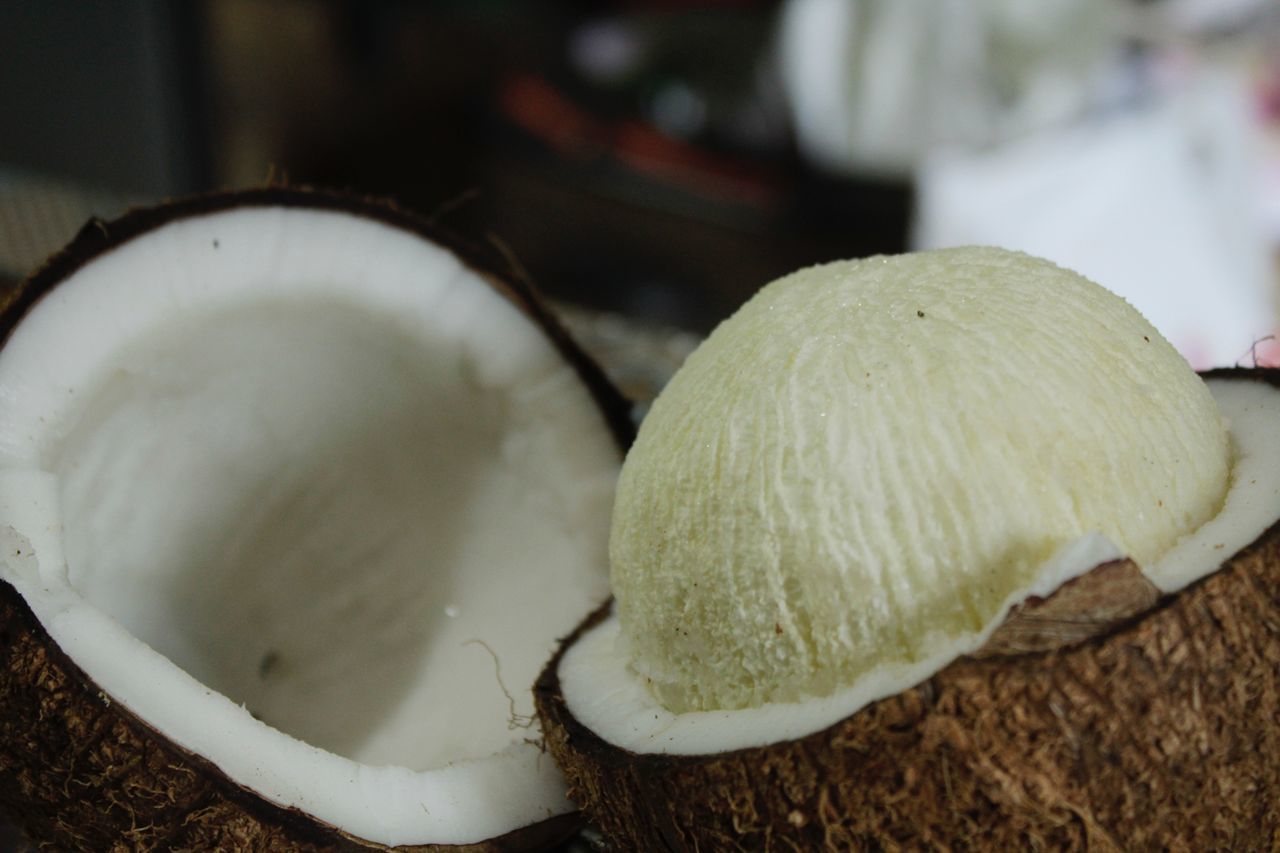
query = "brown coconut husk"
x=1160 y=733
x=78 y=771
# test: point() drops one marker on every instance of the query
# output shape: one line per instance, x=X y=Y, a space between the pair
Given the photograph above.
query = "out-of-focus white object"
x=875 y=84
x=1190 y=16
x=1160 y=206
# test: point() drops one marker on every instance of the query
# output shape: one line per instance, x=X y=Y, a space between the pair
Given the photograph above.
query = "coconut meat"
x=1252 y=410
x=870 y=450
x=605 y=693
x=313 y=500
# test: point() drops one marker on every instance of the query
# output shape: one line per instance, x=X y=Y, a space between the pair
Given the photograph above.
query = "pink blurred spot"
x=1193 y=349
x=1267 y=353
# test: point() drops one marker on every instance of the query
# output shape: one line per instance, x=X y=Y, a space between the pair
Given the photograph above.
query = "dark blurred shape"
x=634 y=157
x=107 y=93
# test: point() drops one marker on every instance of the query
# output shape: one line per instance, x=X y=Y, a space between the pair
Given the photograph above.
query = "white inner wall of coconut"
x=313 y=465
x=604 y=693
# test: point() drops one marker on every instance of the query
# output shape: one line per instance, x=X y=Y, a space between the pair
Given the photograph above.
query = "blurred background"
x=662 y=160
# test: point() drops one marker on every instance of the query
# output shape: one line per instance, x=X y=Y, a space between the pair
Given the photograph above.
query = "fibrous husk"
x=1162 y=732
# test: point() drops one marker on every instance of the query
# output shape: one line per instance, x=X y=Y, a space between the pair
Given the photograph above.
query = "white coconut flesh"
x=295 y=486
x=840 y=494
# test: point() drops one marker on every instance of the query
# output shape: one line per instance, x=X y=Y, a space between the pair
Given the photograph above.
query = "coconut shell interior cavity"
x=304 y=492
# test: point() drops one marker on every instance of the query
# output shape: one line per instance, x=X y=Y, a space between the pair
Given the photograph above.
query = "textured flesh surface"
x=1160 y=736
x=870 y=457
x=608 y=697
x=271 y=445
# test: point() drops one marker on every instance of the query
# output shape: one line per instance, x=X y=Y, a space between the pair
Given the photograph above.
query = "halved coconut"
x=886 y=601
x=296 y=495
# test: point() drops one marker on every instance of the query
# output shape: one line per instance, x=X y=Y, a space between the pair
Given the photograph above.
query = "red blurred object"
x=544 y=112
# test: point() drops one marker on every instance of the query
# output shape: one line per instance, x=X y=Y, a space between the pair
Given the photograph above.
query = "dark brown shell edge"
x=79 y=771
x=1094 y=603
x=1162 y=733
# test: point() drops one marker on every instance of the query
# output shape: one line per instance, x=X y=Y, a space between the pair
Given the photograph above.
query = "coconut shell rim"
x=99 y=236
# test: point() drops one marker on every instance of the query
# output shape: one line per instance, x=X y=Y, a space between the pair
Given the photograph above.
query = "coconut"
x=296 y=495
x=949 y=549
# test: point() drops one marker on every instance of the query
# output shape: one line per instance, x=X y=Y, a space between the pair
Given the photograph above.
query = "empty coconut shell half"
x=296 y=495
x=1098 y=668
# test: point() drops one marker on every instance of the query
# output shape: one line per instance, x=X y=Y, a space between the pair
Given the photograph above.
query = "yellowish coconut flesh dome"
x=870 y=456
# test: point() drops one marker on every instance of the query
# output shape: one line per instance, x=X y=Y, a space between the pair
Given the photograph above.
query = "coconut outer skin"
x=81 y=772
x=1162 y=733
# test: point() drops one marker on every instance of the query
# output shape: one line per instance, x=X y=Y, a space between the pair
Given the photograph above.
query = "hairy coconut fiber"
x=1163 y=733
